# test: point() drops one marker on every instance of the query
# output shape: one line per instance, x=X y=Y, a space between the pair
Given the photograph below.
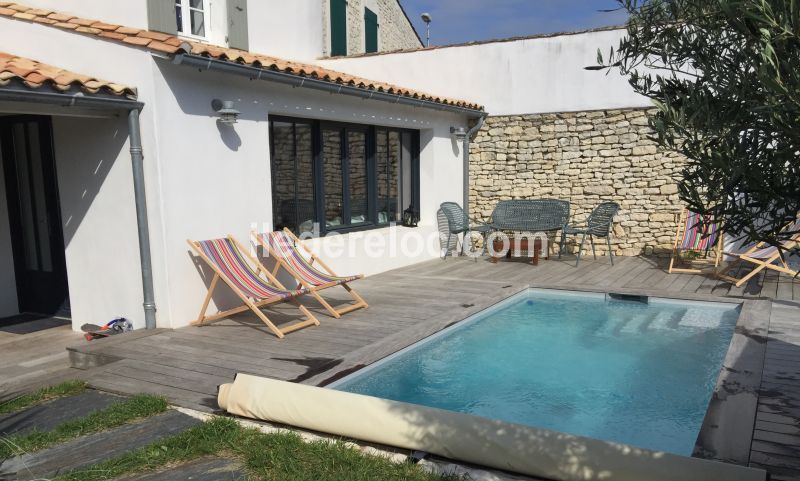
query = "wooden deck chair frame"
x=712 y=260
x=249 y=304
x=762 y=264
x=280 y=262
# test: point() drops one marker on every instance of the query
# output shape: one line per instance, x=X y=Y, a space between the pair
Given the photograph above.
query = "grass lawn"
x=117 y=414
x=264 y=456
x=267 y=457
x=69 y=388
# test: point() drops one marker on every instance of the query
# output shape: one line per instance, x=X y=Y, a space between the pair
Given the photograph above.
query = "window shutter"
x=370 y=30
x=237 y=24
x=161 y=16
x=338 y=27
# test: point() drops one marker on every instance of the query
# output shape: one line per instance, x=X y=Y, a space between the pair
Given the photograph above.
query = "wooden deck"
x=34 y=353
x=187 y=364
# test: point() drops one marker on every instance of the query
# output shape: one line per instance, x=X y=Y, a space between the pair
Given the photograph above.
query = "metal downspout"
x=465 y=149
x=137 y=162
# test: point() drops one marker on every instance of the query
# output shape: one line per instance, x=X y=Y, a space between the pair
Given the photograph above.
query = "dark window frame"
x=318 y=174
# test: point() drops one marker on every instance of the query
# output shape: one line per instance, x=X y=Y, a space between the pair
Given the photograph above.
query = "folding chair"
x=231 y=262
x=283 y=247
x=700 y=237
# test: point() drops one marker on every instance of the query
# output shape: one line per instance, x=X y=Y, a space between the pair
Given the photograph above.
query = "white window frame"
x=185 y=29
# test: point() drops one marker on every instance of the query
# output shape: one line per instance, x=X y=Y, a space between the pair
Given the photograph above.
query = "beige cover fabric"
x=462 y=437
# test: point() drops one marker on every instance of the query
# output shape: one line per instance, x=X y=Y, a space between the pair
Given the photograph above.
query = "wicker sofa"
x=530 y=215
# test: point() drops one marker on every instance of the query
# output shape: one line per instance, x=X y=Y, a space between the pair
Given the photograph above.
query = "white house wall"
x=216 y=179
x=131 y=13
x=102 y=250
x=99 y=218
x=202 y=180
x=287 y=29
x=535 y=75
x=8 y=283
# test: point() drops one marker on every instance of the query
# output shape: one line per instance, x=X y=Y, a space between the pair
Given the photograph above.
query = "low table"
x=519 y=248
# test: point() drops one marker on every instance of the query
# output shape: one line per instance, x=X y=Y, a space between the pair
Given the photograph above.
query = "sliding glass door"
x=345 y=171
x=292 y=153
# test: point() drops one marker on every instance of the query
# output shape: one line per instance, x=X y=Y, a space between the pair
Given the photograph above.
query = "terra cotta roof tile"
x=36 y=75
x=172 y=45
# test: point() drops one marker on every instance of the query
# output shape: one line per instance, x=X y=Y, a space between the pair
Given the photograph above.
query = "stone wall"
x=394 y=30
x=586 y=158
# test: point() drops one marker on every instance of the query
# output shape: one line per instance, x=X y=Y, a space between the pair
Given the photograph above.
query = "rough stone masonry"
x=586 y=158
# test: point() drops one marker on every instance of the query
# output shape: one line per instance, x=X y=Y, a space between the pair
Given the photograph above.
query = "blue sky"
x=457 y=21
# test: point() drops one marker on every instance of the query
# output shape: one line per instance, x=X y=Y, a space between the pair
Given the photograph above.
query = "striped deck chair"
x=284 y=247
x=232 y=263
x=765 y=257
x=705 y=242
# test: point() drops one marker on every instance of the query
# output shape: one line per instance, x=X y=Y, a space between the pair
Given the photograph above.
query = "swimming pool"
x=639 y=371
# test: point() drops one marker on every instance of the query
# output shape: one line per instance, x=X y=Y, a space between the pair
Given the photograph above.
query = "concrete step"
x=204 y=469
x=45 y=417
x=95 y=448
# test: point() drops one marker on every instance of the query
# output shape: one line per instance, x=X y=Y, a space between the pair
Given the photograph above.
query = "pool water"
x=634 y=372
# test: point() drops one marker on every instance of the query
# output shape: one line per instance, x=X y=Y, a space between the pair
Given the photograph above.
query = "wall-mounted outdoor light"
x=460 y=133
x=227 y=114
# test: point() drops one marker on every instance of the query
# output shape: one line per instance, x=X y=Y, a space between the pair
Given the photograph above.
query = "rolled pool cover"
x=462 y=437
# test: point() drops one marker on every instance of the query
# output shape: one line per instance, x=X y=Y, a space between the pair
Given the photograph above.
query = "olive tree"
x=724 y=77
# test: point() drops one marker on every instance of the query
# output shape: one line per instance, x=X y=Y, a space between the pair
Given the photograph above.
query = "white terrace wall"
x=534 y=75
x=555 y=129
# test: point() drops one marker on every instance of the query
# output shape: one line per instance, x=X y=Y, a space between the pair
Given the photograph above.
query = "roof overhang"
x=29 y=86
x=256 y=73
x=231 y=60
x=65 y=99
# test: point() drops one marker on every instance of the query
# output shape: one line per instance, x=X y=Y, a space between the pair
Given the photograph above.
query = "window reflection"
x=333 y=179
x=357 y=161
x=292 y=176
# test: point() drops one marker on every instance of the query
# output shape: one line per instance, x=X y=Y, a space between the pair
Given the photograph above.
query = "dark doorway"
x=26 y=148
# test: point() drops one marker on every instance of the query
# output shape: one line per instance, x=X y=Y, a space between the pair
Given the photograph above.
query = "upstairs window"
x=338 y=27
x=370 y=31
x=191 y=17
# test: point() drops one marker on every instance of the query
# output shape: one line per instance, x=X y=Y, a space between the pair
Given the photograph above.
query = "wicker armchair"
x=598 y=224
x=459 y=223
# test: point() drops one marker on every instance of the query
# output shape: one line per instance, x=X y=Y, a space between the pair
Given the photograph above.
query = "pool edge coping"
x=727 y=431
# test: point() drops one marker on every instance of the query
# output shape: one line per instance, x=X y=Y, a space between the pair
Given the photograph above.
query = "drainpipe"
x=137 y=161
x=465 y=150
